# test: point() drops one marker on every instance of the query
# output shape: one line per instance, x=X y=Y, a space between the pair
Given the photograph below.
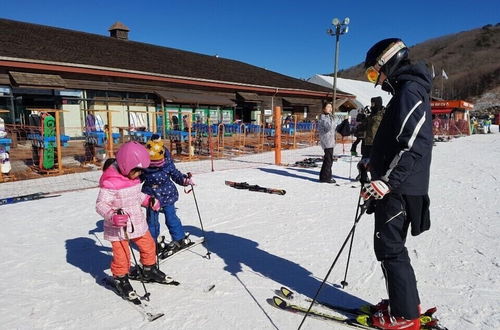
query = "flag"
x=433 y=73
x=445 y=76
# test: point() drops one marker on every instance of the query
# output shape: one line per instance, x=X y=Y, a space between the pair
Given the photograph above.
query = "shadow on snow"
x=237 y=251
x=89 y=255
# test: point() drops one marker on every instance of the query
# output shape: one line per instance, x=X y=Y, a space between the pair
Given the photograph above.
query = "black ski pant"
x=326 y=168
x=365 y=150
x=391 y=227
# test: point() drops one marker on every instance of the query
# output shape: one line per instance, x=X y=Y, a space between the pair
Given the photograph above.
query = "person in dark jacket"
x=399 y=164
x=372 y=123
x=159 y=180
x=359 y=131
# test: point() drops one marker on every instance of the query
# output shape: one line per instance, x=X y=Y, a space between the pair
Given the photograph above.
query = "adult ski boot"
x=383 y=320
x=382 y=306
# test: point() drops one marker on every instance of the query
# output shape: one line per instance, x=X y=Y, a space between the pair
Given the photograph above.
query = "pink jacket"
x=119 y=192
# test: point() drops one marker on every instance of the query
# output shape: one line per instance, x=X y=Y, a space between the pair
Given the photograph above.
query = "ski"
x=142 y=307
x=349 y=322
x=292 y=296
x=308 y=162
x=362 y=313
x=24 y=198
x=135 y=274
x=245 y=185
x=164 y=257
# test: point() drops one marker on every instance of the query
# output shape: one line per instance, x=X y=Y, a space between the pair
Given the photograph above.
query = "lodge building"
x=48 y=67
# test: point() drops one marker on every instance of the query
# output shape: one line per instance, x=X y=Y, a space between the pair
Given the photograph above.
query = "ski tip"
x=286 y=292
x=279 y=302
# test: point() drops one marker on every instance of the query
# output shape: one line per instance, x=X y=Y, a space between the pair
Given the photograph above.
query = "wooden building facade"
x=47 y=67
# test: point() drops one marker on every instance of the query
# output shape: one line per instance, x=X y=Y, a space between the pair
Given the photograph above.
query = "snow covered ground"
x=54 y=255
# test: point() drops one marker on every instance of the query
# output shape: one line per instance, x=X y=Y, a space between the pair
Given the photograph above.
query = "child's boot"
x=154 y=274
x=124 y=287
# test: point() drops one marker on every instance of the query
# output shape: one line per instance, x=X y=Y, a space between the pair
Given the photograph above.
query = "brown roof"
x=39 y=42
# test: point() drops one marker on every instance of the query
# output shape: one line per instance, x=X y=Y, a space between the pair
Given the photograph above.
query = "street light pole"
x=336 y=64
x=339 y=28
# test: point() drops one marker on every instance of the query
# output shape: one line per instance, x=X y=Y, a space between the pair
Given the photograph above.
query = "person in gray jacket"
x=326 y=129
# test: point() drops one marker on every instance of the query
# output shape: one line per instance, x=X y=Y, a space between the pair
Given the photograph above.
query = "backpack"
x=344 y=128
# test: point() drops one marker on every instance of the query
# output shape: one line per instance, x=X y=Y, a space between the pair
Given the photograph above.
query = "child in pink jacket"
x=119 y=203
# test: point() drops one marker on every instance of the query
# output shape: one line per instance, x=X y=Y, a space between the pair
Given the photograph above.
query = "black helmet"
x=387 y=54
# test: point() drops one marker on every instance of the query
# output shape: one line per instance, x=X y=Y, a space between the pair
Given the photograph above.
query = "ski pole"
x=199 y=217
x=146 y=293
x=344 y=282
x=363 y=209
x=350 y=167
x=363 y=178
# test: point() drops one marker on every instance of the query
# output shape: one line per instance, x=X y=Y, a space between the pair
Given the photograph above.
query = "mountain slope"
x=471 y=59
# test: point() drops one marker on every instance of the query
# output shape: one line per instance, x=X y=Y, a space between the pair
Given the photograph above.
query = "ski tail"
x=143 y=308
x=24 y=198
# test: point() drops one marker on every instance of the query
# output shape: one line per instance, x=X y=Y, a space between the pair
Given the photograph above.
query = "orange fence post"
x=277 y=135
x=221 y=131
x=210 y=144
x=243 y=136
x=110 y=135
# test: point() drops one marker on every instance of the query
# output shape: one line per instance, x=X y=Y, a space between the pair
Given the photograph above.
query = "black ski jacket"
x=401 y=152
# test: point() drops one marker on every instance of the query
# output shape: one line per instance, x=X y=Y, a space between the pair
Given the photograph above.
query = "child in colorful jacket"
x=119 y=203
x=158 y=183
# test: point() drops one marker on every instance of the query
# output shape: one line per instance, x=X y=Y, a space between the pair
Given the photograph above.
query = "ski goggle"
x=372 y=74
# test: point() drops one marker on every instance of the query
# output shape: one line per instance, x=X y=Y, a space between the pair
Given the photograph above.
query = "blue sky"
x=286 y=36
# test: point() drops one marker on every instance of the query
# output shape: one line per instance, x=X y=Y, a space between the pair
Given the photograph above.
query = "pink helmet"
x=132 y=155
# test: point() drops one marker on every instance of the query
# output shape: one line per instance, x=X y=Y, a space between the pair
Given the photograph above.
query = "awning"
x=250 y=97
x=4 y=79
x=301 y=101
x=194 y=98
x=441 y=111
x=25 y=79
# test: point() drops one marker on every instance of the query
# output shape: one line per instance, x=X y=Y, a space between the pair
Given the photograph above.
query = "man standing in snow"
x=399 y=165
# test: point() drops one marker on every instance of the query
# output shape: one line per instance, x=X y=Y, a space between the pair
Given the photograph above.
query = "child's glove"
x=120 y=220
x=376 y=189
x=151 y=202
x=188 y=181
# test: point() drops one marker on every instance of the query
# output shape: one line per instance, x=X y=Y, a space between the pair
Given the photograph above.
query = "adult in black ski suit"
x=399 y=164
